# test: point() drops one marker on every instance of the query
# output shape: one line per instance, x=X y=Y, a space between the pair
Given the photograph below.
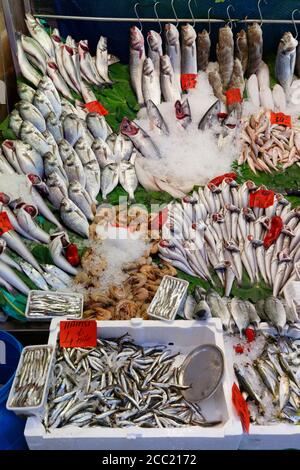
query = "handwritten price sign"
x=281 y=119
x=78 y=334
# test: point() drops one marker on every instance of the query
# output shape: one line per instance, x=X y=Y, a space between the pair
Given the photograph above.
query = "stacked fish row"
x=273 y=377
x=124 y=385
x=216 y=228
x=69 y=65
x=241 y=313
x=268 y=147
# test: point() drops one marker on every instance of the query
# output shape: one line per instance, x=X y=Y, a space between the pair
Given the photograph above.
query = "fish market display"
x=125 y=385
x=47 y=305
x=269 y=147
x=29 y=384
x=269 y=376
x=219 y=228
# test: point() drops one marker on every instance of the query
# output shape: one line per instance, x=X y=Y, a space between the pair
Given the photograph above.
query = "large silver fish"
x=71 y=65
x=286 y=60
x=168 y=83
x=8 y=147
x=74 y=169
x=203 y=49
x=25 y=217
x=81 y=198
x=155 y=49
x=103 y=153
x=58 y=47
x=12 y=218
x=54 y=126
x=93 y=178
x=128 y=179
x=9 y=276
x=15 y=122
x=51 y=164
x=109 y=179
x=84 y=151
x=188 y=50
x=28 y=71
x=87 y=66
x=30 y=113
x=255 y=47
x=140 y=139
x=102 y=59
x=15 y=243
x=58 y=80
x=25 y=92
x=46 y=86
x=57 y=246
x=150 y=83
x=73 y=129
x=39 y=33
x=6 y=258
x=74 y=218
x=58 y=273
x=42 y=103
x=29 y=159
x=39 y=201
x=173 y=51
x=97 y=125
x=137 y=57
x=35 y=53
x=58 y=189
x=156 y=119
x=30 y=135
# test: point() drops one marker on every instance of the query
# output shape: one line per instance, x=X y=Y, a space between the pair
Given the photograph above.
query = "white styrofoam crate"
x=181 y=336
x=274 y=436
x=31 y=410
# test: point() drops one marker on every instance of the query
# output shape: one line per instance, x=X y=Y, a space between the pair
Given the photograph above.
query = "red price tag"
x=188 y=81
x=262 y=198
x=219 y=179
x=241 y=407
x=274 y=231
x=281 y=119
x=233 y=96
x=96 y=107
x=5 y=225
x=78 y=334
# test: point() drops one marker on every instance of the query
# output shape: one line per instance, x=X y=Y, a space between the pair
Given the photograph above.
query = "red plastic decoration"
x=262 y=198
x=274 y=231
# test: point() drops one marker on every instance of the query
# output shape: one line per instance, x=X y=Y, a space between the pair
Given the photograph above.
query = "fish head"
x=9 y=145
x=213 y=188
x=52 y=65
x=188 y=34
x=56 y=39
x=69 y=50
x=4 y=199
x=166 y=66
x=83 y=49
x=128 y=128
x=288 y=43
x=34 y=179
x=250 y=185
x=282 y=256
x=136 y=39
x=200 y=225
x=66 y=205
x=102 y=44
x=172 y=34
x=75 y=187
x=231 y=182
x=148 y=67
x=181 y=110
x=154 y=40
x=31 y=210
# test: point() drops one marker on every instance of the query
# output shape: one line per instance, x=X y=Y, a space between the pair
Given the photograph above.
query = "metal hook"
x=259 y=10
x=137 y=15
x=156 y=14
x=293 y=18
x=230 y=22
x=192 y=15
x=209 y=22
x=175 y=14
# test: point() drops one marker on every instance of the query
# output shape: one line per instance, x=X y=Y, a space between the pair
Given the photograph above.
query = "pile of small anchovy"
x=50 y=304
x=272 y=381
x=119 y=384
x=30 y=382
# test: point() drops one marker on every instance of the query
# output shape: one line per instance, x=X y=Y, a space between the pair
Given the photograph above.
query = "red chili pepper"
x=72 y=254
x=274 y=231
x=250 y=335
x=239 y=349
x=219 y=179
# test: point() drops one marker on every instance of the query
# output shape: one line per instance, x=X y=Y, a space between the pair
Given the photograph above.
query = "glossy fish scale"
x=125 y=385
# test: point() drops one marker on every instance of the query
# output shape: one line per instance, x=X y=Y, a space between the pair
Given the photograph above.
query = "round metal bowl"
x=202 y=370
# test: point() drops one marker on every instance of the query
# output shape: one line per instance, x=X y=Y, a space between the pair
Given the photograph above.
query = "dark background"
x=117 y=33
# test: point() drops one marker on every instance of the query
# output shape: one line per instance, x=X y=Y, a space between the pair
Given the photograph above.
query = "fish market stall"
x=157 y=205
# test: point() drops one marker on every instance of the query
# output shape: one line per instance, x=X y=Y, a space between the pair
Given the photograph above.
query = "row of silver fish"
x=29 y=384
x=216 y=228
x=119 y=384
x=43 y=305
x=70 y=66
x=276 y=373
